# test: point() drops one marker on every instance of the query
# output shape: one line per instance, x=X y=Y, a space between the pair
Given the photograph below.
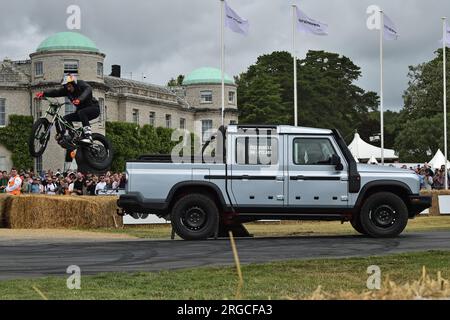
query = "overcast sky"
x=164 y=38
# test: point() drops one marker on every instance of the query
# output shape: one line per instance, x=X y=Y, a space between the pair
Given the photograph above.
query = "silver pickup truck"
x=250 y=173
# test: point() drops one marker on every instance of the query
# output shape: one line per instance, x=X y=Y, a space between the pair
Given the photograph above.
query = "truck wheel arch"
x=396 y=187
x=203 y=187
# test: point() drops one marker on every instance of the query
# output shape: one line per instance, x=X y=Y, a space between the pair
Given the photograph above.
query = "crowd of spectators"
x=430 y=179
x=65 y=183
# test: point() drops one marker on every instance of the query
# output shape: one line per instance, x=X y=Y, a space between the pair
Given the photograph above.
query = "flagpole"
x=444 y=58
x=295 y=66
x=222 y=59
x=381 y=86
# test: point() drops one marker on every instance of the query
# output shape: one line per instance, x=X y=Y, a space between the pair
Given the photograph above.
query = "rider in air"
x=80 y=94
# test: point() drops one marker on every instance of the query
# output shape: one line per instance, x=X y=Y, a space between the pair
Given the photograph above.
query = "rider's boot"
x=87 y=135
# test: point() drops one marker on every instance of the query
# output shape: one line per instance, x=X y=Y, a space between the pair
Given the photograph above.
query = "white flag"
x=447 y=35
x=308 y=25
x=234 y=22
x=390 y=30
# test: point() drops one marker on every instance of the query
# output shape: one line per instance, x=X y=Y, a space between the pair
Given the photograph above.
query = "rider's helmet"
x=69 y=78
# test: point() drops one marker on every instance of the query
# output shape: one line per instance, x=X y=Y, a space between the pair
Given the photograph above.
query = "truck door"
x=257 y=177
x=313 y=180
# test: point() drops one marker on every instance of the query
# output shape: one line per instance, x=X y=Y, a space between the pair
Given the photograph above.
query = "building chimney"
x=115 y=71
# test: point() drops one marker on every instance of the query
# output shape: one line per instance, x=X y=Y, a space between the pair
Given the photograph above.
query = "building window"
x=37 y=108
x=2 y=112
x=39 y=164
x=39 y=69
x=206 y=96
x=168 y=121
x=136 y=116
x=151 y=119
x=231 y=97
x=100 y=69
x=71 y=66
x=69 y=107
x=102 y=118
x=206 y=129
x=182 y=123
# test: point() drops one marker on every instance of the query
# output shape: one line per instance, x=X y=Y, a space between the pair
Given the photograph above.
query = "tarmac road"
x=37 y=258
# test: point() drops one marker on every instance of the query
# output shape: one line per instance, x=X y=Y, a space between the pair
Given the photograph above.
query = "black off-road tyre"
x=41 y=128
x=195 y=217
x=384 y=215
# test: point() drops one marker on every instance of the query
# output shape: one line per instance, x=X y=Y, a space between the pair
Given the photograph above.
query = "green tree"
x=131 y=141
x=15 y=138
x=421 y=127
x=176 y=82
x=327 y=96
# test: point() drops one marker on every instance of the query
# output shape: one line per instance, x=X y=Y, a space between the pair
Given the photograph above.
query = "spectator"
x=71 y=185
x=428 y=180
x=35 y=186
x=78 y=185
x=3 y=181
x=439 y=180
x=108 y=183
x=101 y=185
x=14 y=183
x=26 y=184
x=116 y=181
x=123 y=181
x=90 y=186
x=51 y=188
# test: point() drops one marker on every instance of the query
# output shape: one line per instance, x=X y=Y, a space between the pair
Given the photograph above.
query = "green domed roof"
x=67 y=41
x=206 y=75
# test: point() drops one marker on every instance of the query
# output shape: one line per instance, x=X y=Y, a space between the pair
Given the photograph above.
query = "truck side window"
x=256 y=151
x=312 y=151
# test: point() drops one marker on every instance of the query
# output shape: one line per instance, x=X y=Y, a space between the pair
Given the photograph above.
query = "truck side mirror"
x=336 y=161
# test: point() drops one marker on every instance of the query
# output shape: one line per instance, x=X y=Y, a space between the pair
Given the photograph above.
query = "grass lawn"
x=281 y=280
x=289 y=228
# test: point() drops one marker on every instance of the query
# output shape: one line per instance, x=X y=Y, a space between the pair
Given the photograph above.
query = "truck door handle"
x=280 y=178
x=297 y=178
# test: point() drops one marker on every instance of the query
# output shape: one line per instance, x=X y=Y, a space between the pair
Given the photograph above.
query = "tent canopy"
x=438 y=160
x=373 y=160
x=364 y=151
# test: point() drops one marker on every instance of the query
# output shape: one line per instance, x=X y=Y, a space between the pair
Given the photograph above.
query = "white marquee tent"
x=438 y=160
x=364 y=152
x=373 y=160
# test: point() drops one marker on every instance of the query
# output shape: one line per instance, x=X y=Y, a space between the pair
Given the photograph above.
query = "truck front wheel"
x=356 y=224
x=195 y=217
x=384 y=215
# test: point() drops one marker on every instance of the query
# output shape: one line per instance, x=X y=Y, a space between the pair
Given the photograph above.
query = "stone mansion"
x=195 y=106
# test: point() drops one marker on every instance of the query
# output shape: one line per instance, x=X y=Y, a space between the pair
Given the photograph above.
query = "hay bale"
x=41 y=211
x=3 y=199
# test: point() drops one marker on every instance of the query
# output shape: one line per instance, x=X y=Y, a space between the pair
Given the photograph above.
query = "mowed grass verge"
x=280 y=280
x=287 y=228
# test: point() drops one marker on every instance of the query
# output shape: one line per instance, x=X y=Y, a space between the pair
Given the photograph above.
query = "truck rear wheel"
x=195 y=217
x=384 y=215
